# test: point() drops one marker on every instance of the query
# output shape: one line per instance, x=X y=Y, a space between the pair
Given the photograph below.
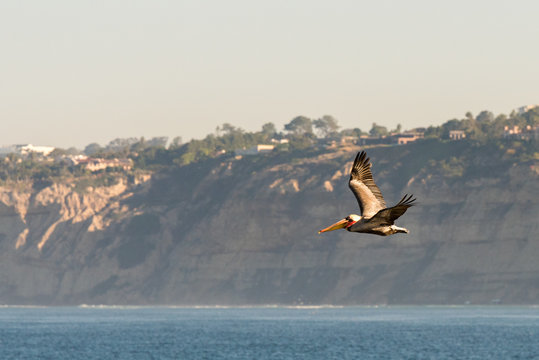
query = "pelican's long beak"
x=338 y=225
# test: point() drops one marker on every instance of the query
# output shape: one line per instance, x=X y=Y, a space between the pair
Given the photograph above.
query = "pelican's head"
x=343 y=224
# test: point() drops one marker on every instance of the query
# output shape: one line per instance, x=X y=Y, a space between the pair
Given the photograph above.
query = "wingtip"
x=409 y=199
x=361 y=161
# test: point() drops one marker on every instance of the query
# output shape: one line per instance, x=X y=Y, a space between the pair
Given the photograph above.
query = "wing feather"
x=389 y=215
x=362 y=184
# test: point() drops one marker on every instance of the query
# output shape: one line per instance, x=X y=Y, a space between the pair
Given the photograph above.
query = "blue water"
x=270 y=333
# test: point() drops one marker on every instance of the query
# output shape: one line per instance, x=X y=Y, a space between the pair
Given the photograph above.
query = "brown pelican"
x=375 y=217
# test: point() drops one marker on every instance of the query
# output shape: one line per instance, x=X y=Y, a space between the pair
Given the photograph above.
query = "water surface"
x=270 y=333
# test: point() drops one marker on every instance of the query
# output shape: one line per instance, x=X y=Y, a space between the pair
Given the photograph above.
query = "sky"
x=77 y=72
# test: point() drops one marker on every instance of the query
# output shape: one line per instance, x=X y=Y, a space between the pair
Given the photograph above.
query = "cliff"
x=226 y=231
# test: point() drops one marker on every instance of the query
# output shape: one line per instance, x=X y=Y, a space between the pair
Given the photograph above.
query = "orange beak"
x=341 y=224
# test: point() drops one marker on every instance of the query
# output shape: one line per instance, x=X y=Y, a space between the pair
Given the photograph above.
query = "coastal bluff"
x=229 y=231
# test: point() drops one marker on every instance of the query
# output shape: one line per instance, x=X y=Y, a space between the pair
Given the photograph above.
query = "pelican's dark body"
x=382 y=223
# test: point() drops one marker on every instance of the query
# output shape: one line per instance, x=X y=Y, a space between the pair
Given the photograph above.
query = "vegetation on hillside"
x=301 y=136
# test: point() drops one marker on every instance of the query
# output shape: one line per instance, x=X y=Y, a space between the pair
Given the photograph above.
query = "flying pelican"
x=375 y=217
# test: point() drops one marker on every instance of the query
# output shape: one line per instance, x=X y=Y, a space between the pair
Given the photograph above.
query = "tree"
x=57 y=152
x=433 y=132
x=139 y=145
x=269 y=129
x=326 y=125
x=378 y=130
x=158 y=141
x=92 y=149
x=228 y=129
x=119 y=144
x=73 y=151
x=485 y=117
x=532 y=116
x=356 y=132
x=12 y=157
x=176 y=142
x=300 y=125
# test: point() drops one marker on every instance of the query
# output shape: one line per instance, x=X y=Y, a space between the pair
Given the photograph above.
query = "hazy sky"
x=75 y=72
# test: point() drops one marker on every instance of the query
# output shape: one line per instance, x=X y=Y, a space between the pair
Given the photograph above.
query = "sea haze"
x=494 y=332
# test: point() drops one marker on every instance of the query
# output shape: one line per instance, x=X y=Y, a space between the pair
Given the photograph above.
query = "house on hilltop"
x=523 y=109
x=71 y=160
x=406 y=137
x=25 y=149
x=96 y=164
x=515 y=132
x=457 y=134
x=255 y=150
x=392 y=139
x=374 y=140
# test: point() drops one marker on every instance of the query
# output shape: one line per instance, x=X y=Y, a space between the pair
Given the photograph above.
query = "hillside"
x=228 y=231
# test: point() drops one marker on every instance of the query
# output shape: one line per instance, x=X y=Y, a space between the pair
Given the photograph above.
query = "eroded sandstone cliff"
x=228 y=231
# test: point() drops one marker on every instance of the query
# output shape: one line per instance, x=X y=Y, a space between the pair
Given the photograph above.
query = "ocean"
x=101 y=332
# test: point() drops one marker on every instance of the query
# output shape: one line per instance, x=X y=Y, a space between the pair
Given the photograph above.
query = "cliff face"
x=245 y=232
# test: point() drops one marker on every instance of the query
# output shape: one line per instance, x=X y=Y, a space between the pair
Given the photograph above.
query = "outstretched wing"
x=362 y=184
x=389 y=215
